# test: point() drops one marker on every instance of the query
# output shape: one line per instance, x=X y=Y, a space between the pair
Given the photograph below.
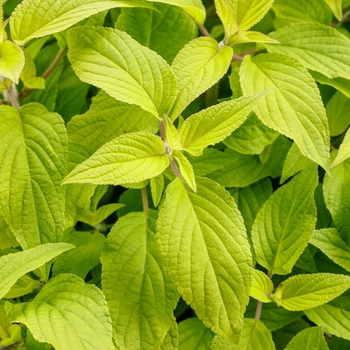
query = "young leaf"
x=193 y=335
x=12 y=61
x=308 y=339
x=157 y=187
x=337 y=113
x=297 y=107
x=129 y=158
x=285 y=222
x=302 y=292
x=316 y=46
x=207 y=253
x=213 y=124
x=32 y=163
x=23 y=286
x=140 y=295
x=13 y=266
x=186 y=170
x=198 y=66
x=336 y=7
x=261 y=286
x=243 y=36
x=330 y=242
x=68 y=314
x=34 y=19
x=240 y=14
x=344 y=150
x=122 y=67
x=28 y=74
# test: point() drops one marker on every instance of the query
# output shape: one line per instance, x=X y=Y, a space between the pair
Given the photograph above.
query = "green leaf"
x=156 y=29
x=213 y=124
x=194 y=8
x=255 y=336
x=7 y=239
x=243 y=36
x=68 y=314
x=340 y=84
x=297 y=107
x=336 y=192
x=336 y=7
x=194 y=76
x=23 y=286
x=293 y=163
x=122 y=67
x=171 y=339
x=240 y=14
x=157 y=187
x=261 y=286
x=129 y=158
x=337 y=115
x=308 y=339
x=186 y=170
x=344 y=150
x=251 y=137
x=13 y=266
x=33 y=20
x=285 y=223
x=330 y=242
x=12 y=61
x=193 y=335
x=303 y=292
x=332 y=316
x=140 y=295
x=309 y=43
x=28 y=74
x=94 y=218
x=32 y=163
x=206 y=253
x=85 y=256
x=172 y=136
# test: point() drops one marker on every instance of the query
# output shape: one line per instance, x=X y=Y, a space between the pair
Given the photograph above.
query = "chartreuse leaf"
x=316 y=46
x=243 y=36
x=68 y=314
x=297 y=107
x=13 y=266
x=332 y=316
x=213 y=124
x=33 y=152
x=156 y=29
x=255 y=336
x=336 y=192
x=129 y=158
x=240 y=14
x=261 y=286
x=23 y=286
x=28 y=74
x=206 y=253
x=34 y=19
x=194 y=8
x=293 y=163
x=12 y=61
x=340 y=84
x=198 y=66
x=344 y=150
x=193 y=335
x=330 y=242
x=9 y=333
x=336 y=7
x=7 y=239
x=303 y=292
x=122 y=67
x=172 y=134
x=308 y=339
x=285 y=222
x=337 y=115
x=139 y=293
x=186 y=170
x=171 y=339
x=157 y=187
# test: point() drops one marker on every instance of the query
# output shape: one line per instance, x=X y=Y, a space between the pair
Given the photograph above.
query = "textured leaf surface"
x=186 y=170
x=13 y=266
x=68 y=314
x=122 y=67
x=344 y=150
x=261 y=286
x=37 y=18
x=206 y=252
x=139 y=293
x=32 y=164
x=330 y=242
x=285 y=223
x=308 y=339
x=298 y=110
x=193 y=335
x=127 y=159
x=243 y=36
x=156 y=29
x=336 y=7
x=316 y=46
x=302 y=292
x=12 y=61
x=198 y=66
x=7 y=239
x=213 y=124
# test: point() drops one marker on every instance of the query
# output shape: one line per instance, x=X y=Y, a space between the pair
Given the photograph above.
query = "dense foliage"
x=175 y=174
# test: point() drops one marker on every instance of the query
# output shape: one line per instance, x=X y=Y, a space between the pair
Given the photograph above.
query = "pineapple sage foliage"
x=174 y=174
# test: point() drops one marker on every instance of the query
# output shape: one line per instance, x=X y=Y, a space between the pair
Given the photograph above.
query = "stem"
x=258 y=311
x=162 y=130
x=175 y=168
x=203 y=30
x=237 y=58
x=13 y=97
x=144 y=200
